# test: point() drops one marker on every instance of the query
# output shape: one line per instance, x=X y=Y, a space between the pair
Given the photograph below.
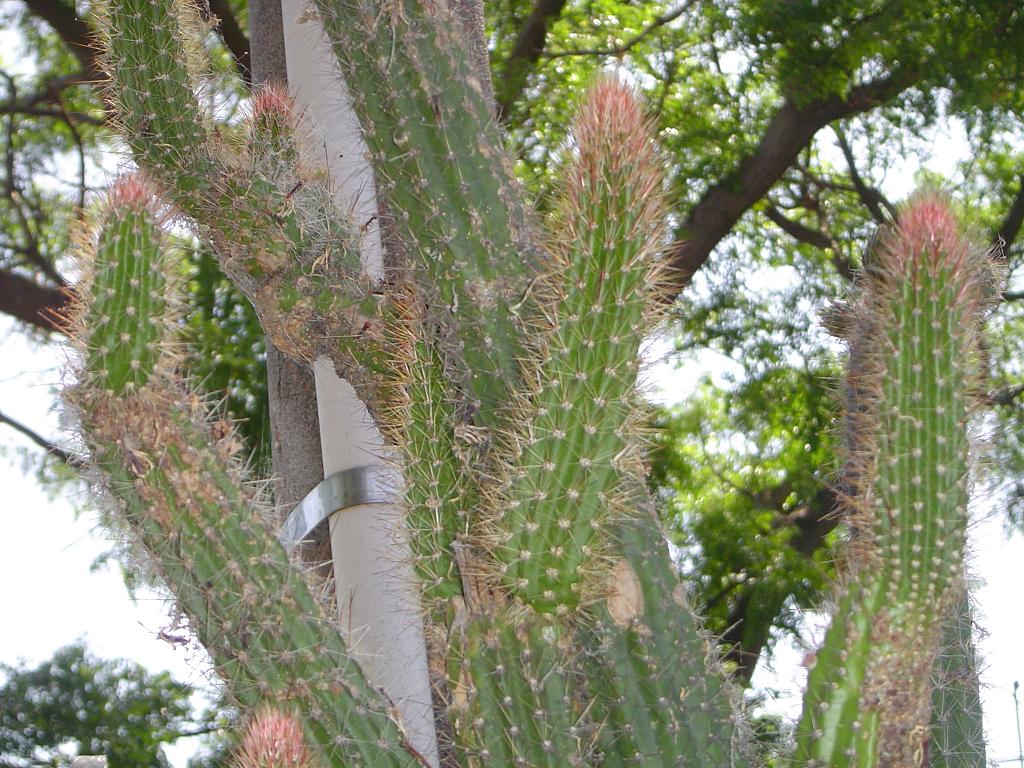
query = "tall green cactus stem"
x=518 y=695
x=439 y=496
x=276 y=228
x=957 y=736
x=650 y=695
x=177 y=476
x=578 y=439
x=915 y=336
x=146 y=50
x=123 y=333
x=652 y=674
x=443 y=173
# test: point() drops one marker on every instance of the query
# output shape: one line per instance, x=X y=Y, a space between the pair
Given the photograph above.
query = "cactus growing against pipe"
x=500 y=360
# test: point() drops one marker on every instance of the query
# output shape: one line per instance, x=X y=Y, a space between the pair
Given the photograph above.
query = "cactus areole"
x=514 y=603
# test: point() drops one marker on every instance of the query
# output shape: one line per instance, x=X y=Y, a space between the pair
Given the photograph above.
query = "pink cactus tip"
x=612 y=114
x=927 y=235
x=134 y=191
x=273 y=100
x=273 y=739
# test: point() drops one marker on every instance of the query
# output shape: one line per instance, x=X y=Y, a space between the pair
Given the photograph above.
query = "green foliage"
x=747 y=469
x=824 y=47
x=227 y=352
x=75 y=703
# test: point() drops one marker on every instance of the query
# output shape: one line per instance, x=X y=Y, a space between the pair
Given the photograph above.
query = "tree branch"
x=198 y=731
x=812 y=521
x=1011 y=225
x=743 y=644
x=72 y=30
x=815 y=237
x=42 y=442
x=798 y=231
x=619 y=50
x=789 y=131
x=31 y=222
x=744 y=639
x=50 y=91
x=870 y=196
x=231 y=33
x=527 y=50
x=13 y=108
x=1006 y=396
x=30 y=302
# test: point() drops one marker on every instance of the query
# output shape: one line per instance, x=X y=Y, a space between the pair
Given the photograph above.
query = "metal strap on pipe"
x=353 y=487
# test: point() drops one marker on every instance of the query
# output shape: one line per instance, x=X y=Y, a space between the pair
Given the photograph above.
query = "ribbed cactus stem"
x=915 y=336
x=442 y=172
x=516 y=699
x=270 y=639
x=439 y=496
x=177 y=480
x=957 y=735
x=579 y=437
x=651 y=672
x=146 y=51
x=122 y=335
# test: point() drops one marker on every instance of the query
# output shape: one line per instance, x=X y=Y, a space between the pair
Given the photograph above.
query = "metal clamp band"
x=353 y=487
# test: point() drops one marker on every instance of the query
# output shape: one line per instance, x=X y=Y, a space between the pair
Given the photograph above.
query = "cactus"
x=957 y=739
x=273 y=739
x=500 y=363
x=915 y=337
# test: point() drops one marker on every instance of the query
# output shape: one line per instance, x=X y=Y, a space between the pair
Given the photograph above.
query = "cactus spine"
x=502 y=369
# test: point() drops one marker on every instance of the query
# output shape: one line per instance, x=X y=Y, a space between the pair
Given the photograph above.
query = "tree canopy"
x=779 y=123
x=77 y=704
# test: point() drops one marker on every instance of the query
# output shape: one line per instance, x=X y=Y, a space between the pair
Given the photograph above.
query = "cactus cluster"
x=499 y=357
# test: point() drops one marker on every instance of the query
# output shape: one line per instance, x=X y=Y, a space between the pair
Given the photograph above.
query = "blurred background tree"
x=782 y=124
x=77 y=704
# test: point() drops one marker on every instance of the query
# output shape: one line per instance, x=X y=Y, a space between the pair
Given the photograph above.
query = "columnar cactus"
x=499 y=358
x=914 y=335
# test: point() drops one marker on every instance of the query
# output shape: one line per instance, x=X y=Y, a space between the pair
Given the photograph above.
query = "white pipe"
x=377 y=595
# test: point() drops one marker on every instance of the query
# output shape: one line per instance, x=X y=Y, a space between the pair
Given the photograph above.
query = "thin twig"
x=57 y=452
x=871 y=196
